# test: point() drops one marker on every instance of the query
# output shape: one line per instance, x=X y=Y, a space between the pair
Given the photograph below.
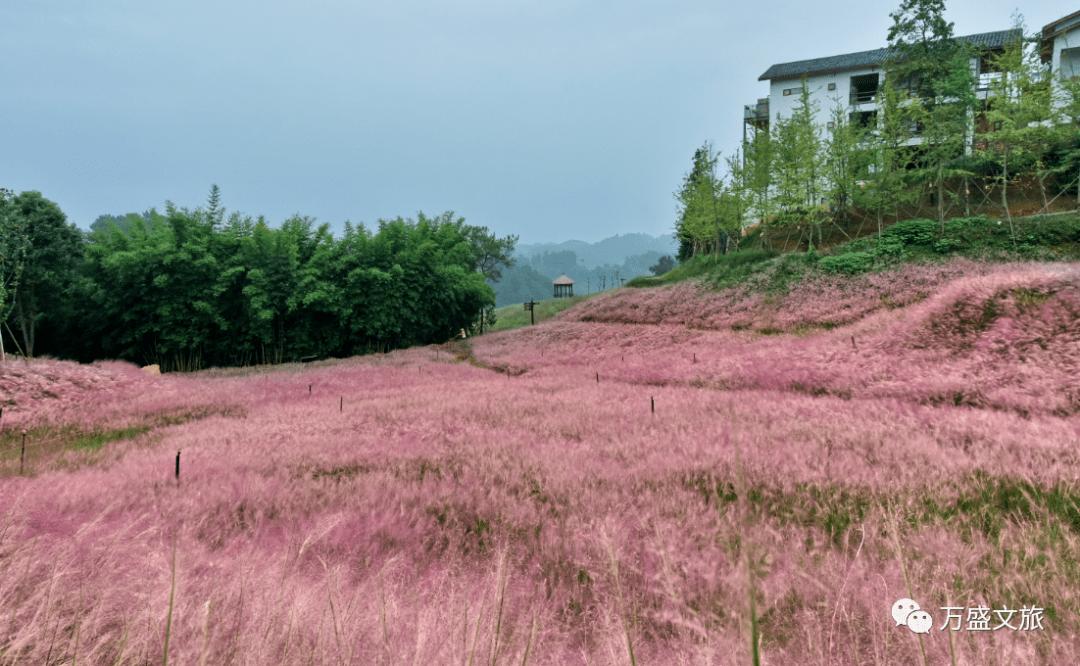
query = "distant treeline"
x=192 y=289
x=533 y=277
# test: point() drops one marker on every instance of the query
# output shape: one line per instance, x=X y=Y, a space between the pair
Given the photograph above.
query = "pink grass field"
x=501 y=506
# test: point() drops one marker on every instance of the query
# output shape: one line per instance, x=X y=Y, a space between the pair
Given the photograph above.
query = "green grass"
x=516 y=316
x=1040 y=238
x=46 y=442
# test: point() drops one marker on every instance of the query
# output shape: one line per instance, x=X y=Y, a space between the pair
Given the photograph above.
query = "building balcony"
x=862 y=96
x=757 y=114
x=987 y=79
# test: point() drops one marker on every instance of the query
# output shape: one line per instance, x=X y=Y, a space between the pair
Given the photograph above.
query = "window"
x=787 y=91
x=832 y=86
x=864 y=118
x=863 y=88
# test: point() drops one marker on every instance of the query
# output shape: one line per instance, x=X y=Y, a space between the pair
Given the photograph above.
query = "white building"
x=851 y=80
x=1061 y=46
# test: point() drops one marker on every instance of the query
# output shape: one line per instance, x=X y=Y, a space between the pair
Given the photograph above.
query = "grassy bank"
x=516 y=316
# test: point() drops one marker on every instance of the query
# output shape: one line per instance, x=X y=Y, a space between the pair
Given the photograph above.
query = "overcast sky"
x=549 y=119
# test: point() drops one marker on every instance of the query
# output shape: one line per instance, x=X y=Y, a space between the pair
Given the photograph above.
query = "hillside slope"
x=963 y=333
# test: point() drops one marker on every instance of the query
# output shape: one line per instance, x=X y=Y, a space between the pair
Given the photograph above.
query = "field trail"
x=567 y=492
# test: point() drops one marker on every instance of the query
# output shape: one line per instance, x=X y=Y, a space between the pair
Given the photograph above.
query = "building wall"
x=1068 y=64
x=783 y=106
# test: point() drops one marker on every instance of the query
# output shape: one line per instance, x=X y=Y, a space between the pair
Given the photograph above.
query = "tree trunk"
x=28 y=335
x=1042 y=189
x=967 y=199
x=941 y=199
x=1005 y=191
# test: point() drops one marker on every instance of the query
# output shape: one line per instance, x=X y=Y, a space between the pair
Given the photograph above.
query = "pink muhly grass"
x=454 y=515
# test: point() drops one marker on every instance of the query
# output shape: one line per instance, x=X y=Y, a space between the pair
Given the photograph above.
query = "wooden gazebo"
x=564 y=287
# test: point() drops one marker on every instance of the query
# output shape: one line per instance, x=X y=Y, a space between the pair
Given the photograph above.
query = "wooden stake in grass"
x=652 y=402
x=598 y=377
x=853 y=342
x=309 y=389
x=178 y=467
x=341 y=405
x=695 y=357
x=22 y=458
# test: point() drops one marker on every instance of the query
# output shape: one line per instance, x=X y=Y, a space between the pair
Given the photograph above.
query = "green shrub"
x=888 y=247
x=851 y=263
x=911 y=232
x=948 y=245
x=961 y=223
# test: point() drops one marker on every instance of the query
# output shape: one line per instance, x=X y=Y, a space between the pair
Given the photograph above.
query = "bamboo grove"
x=190 y=289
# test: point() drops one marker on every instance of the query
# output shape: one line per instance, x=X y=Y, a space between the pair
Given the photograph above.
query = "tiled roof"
x=564 y=280
x=865 y=59
x=1060 y=25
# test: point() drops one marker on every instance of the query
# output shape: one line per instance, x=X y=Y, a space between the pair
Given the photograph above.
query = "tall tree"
x=885 y=186
x=933 y=67
x=799 y=165
x=758 y=164
x=13 y=247
x=922 y=46
x=52 y=259
x=845 y=161
x=663 y=265
x=706 y=216
x=1008 y=113
x=213 y=209
x=687 y=223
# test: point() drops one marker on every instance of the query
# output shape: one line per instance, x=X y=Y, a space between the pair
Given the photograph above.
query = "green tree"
x=739 y=196
x=885 y=186
x=213 y=209
x=1066 y=102
x=706 y=216
x=798 y=165
x=663 y=265
x=845 y=162
x=50 y=265
x=945 y=120
x=758 y=166
x=922 y=47
x=932 y=66
x=13 y=248
x=1008 y=114
x=687 y=225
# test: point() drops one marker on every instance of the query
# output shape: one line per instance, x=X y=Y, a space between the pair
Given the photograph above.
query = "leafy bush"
x=911 y=232
x=889 y=247
x=948 y=245
x=851 y=263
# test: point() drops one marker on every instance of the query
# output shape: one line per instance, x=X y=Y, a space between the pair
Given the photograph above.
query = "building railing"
x=861 y=97
x=759 y=111
x=987 y=79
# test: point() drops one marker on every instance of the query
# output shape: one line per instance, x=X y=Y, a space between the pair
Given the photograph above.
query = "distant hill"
x=592 y=266
x=612 y=251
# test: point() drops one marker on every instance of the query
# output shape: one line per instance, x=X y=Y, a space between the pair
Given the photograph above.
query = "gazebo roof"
x=564 y=280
